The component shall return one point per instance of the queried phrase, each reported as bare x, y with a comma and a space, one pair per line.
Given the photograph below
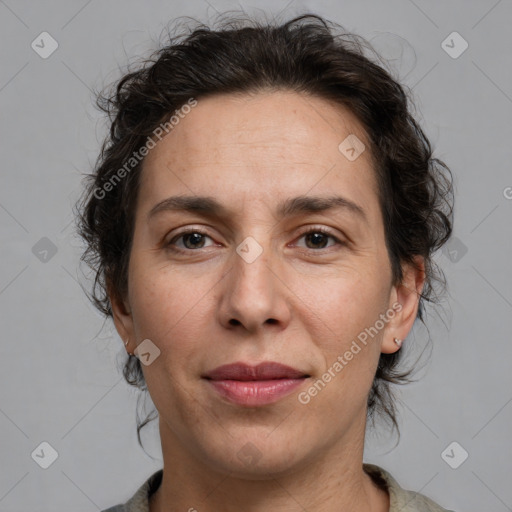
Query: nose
254, 292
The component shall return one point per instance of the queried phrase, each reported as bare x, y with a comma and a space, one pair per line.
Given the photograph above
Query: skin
301, 303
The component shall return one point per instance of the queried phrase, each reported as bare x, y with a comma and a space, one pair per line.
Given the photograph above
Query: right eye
192, 237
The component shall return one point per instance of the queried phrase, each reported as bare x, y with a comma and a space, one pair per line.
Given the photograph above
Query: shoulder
139, 502
401, 499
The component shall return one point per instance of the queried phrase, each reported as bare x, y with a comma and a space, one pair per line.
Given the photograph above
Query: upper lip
263, 371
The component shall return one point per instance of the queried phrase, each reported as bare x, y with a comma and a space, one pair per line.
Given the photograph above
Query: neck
333, 481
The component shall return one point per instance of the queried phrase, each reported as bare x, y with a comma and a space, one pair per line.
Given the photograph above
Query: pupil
315, 238
195, 237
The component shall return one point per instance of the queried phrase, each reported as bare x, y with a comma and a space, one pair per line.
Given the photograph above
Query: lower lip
255, 392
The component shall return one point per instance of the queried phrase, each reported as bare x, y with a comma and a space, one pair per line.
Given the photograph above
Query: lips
251, 386
263, 371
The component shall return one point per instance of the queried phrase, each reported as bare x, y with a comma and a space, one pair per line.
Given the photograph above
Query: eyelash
322, 230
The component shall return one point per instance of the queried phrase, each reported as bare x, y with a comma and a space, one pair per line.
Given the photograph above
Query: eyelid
320, 228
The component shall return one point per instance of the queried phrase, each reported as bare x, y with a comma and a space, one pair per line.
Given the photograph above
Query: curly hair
306, 54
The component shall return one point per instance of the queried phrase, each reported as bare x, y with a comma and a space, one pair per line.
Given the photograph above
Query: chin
256, 457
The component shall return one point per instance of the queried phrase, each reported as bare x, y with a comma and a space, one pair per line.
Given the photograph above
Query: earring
398, 342
126, 344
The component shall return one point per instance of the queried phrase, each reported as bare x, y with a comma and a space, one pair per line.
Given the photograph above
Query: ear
122, 317
405, 296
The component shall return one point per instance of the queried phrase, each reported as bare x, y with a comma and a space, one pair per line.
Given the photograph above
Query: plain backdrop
60, 369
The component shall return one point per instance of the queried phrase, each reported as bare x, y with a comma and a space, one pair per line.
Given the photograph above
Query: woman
261, 222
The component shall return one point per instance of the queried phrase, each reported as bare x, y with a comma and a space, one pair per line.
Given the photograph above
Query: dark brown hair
243, 56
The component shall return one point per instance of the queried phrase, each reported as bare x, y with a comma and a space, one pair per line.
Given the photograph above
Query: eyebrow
210, 207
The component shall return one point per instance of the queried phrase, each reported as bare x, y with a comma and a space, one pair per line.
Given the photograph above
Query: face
251, 281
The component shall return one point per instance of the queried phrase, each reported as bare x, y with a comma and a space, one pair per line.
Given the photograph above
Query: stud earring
126, 344
398, 342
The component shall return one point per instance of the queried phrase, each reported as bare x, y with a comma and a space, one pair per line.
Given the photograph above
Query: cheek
168, 309
341, 332
342, 305
340, 327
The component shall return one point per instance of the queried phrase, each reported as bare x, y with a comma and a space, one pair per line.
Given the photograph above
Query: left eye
318, 237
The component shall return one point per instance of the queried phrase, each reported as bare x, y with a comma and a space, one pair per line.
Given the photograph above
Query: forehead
258, 146
226, 125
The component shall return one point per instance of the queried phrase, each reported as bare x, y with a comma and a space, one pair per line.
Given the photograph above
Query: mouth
247, 385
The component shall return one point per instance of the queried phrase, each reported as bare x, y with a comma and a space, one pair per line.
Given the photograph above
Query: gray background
60, 368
